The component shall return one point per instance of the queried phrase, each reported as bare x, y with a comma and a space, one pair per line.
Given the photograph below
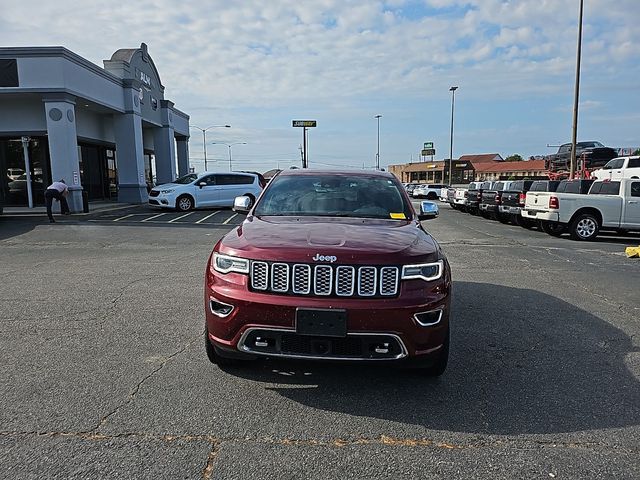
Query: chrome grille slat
324, 279
367, 281
388, 280
345, 281
259, 275
301, 283
280, 277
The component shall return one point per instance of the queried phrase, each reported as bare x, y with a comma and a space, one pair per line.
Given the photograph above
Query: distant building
531, 169
433, 172
485, 166
268, 175
482, 158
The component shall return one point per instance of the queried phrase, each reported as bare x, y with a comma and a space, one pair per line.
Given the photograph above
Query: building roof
271, 173
481, 158
524, 166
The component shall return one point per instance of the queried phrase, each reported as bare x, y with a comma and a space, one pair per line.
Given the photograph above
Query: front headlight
226, 264
423, 271
171, 190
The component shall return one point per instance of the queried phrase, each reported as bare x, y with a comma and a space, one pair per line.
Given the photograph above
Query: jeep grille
324, 280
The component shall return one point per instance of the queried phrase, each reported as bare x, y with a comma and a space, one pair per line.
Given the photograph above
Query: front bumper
164, 201
377, 329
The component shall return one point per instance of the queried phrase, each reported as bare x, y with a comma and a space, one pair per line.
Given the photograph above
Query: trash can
85, 201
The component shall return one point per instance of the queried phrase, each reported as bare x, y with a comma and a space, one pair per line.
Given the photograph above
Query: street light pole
204, 139
574, 129
453, 96
378, 151
229, 145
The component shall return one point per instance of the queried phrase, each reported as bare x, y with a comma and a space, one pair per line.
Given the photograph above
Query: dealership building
109, 132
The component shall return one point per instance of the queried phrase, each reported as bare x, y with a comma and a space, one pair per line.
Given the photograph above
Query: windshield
191, 177
332, 195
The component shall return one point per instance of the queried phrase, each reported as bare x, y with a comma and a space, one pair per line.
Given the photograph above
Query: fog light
428, 319
382, 348
220, 309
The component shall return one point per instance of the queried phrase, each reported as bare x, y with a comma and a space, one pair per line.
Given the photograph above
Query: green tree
637, 152
513, 158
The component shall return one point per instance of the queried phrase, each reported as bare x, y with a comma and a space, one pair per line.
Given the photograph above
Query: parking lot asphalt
104, 373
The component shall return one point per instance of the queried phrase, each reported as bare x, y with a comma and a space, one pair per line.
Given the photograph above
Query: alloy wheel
586, 227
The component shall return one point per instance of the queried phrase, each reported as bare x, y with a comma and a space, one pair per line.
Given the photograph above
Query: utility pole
377, 117
574, 129
453, 96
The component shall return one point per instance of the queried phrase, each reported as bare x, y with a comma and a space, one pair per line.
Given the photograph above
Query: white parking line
208, 216
122, 218
230, 218
155, 216
178, 218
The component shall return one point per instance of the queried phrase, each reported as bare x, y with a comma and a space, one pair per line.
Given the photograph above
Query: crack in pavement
134, 391
114, 302
208, 468
332, 442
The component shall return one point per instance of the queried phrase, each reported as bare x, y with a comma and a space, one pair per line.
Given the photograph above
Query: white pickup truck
456, 197
617, 168
609, 205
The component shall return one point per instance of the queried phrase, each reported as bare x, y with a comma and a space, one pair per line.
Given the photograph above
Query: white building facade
108, 132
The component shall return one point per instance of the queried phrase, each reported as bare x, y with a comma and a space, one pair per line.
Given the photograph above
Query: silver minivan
208, 189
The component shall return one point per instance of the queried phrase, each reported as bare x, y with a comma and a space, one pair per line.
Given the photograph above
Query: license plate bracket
321, 322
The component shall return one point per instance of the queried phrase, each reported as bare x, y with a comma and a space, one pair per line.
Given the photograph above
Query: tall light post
378, 151
453, 97
574, 129
204, 139
229, 145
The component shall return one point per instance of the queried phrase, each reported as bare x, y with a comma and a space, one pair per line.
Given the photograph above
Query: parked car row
430, 191
580, 208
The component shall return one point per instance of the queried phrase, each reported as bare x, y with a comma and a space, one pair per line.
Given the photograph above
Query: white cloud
334, 54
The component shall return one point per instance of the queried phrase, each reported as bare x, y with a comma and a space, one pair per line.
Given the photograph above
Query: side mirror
428, 210
202, 184
242, 205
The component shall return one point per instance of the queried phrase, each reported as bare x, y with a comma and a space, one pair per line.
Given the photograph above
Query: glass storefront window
13, 178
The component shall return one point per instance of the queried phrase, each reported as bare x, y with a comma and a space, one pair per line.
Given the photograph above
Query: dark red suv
329, 265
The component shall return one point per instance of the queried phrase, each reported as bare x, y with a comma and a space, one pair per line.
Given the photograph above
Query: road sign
428, 152
428, 145
304, 123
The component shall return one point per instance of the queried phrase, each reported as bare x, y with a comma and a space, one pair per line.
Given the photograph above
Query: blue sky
258, 65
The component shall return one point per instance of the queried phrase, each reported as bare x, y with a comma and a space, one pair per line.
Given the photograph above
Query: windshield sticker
399, 216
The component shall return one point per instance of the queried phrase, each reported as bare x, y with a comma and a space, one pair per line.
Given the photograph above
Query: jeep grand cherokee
329, 265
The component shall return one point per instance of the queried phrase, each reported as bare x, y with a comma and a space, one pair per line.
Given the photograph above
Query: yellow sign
398, 216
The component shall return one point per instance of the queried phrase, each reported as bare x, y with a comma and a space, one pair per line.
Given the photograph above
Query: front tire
439, 366
584, 227
213, 355
184, 203
432, 196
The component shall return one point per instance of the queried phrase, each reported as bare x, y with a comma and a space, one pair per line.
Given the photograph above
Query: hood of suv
167, 186
349, 240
